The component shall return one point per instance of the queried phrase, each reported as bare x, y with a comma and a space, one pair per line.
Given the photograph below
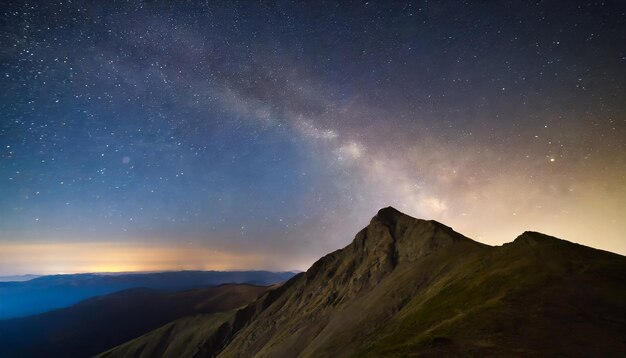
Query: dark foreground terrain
409, 287
100, 323
404, 287
45, 293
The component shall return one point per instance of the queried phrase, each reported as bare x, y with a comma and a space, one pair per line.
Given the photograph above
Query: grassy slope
539, 296
181, 338
329, 310
408, 287
188, 336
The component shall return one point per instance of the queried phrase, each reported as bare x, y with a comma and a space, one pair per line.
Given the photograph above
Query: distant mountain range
407, 287
17, 278
404, 287
100, 323
42, 294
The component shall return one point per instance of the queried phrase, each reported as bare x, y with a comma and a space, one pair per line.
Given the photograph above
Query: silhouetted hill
18, 278
410, 287
184, 337
99, 323
45, 293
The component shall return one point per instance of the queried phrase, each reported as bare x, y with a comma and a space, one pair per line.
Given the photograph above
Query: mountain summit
407, 287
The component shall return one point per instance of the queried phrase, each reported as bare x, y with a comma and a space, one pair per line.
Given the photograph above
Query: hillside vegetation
410, 287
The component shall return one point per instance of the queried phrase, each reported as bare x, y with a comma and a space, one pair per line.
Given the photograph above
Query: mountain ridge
102, 322
42, 294
407, 286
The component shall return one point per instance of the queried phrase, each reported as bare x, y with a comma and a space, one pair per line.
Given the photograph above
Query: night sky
164, 135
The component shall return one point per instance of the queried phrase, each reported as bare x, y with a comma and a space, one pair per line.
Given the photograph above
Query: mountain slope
537, 296
58, 291
103, 322
183, 337
409, 287
342, 297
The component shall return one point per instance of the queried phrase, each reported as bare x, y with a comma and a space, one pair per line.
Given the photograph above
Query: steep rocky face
391, 239
410, 287
331, 296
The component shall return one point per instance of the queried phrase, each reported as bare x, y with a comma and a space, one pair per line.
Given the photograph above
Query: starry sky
165, 135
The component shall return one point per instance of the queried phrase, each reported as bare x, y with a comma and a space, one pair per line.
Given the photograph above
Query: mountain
99, 323
410, 287
184, 337
18, 299
18, 278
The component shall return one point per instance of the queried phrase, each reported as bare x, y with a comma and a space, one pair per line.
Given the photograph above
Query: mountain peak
536, 238
390, 213
398, 222
388, 292
405, 238
390, 216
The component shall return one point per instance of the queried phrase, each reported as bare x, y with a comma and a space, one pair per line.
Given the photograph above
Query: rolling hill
408, 287
99, 323
18, 299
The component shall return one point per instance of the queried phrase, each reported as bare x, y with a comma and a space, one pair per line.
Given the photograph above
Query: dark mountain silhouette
18, 278
18, 299
410, 287
97, 324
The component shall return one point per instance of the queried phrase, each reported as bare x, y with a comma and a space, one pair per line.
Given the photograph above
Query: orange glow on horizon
56, 258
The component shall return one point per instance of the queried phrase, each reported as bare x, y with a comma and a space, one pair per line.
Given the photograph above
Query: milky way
223, 135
